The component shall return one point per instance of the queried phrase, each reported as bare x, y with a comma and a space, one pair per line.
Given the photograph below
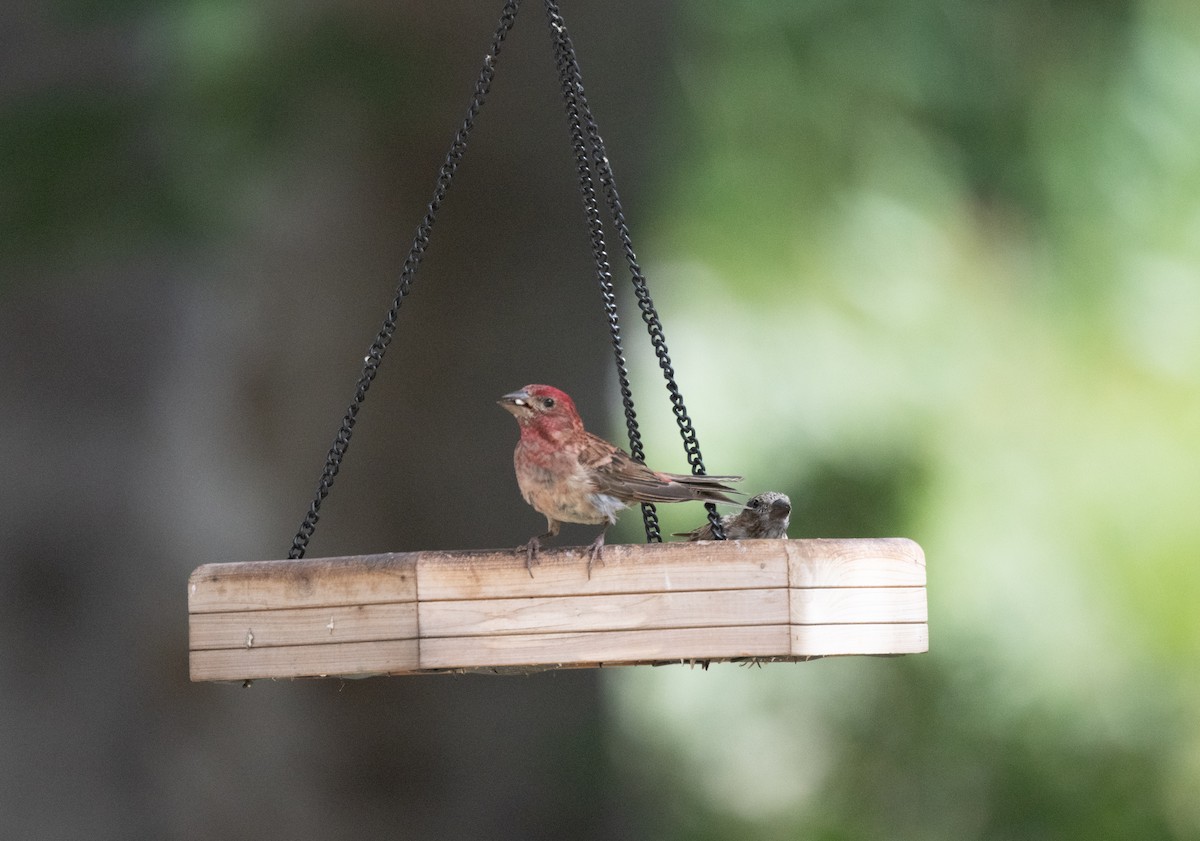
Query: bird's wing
703, 532
615, 472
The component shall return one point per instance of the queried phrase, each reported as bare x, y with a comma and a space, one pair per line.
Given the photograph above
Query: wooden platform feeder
425, 612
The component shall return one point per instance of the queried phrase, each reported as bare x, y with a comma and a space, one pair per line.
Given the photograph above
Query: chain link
374, 356
578, 111
580, 118
568, 71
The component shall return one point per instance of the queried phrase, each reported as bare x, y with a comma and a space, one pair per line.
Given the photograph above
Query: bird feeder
775, 600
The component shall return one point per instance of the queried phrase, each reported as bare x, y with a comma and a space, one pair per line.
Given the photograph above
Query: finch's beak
517, 402
781, 508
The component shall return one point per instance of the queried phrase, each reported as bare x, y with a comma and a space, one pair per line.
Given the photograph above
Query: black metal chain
567, 70
420, 242
579, 116
578, 111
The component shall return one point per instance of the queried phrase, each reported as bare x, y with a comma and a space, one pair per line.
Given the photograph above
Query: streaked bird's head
772, 512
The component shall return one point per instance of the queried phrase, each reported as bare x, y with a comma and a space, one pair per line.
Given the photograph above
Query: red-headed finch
571, 476
765, 516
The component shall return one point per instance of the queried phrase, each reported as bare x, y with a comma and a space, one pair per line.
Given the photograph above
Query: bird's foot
595, 554
531, 551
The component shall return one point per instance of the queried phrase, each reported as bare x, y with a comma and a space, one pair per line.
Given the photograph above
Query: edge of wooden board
481, 611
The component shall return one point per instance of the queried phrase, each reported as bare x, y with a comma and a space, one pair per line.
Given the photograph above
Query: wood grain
321, 582
842, 605
832, 640
402, 613
347, 659
638, 568
695, 609
879, 562
606, 646
303, 626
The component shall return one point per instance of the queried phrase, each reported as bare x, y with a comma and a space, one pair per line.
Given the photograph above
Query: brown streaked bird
572, 476
765, 516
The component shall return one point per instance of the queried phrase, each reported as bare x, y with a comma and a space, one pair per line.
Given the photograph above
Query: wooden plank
608, 647
611, 612
303, 626
840, 605
481, 610
880, 562
263, 585
349, 659
637, 568
832, 640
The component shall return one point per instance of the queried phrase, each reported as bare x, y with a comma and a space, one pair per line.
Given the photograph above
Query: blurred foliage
899, 750
156, 149
934, 267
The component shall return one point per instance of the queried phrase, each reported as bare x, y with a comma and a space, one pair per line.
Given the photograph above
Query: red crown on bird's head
542, 393
542, 406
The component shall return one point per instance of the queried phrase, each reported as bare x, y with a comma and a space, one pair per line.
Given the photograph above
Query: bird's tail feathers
706, 488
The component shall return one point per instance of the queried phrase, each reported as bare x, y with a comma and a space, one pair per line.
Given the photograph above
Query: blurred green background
931, 267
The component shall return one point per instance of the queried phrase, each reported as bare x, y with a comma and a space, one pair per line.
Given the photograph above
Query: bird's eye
548, 402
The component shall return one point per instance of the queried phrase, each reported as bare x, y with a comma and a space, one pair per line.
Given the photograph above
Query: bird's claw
531, 551
595, 554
